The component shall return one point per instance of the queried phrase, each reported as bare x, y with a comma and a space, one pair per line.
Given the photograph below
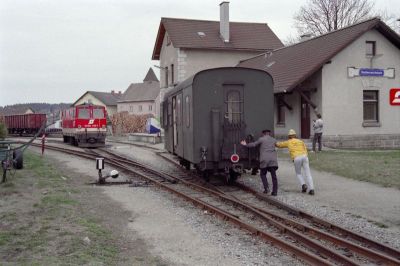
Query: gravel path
181, 234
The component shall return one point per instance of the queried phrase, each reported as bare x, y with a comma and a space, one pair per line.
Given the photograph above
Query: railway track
314, 240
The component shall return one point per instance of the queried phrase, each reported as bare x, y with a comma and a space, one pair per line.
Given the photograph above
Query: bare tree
321, 16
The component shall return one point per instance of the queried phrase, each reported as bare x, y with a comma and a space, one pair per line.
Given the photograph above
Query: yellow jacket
296, 147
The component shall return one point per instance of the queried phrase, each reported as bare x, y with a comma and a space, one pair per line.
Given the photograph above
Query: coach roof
292, 65
204, 34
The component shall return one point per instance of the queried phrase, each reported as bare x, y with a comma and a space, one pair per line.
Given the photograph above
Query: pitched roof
184, 33
150, 76
138, 92
291, 65
107, 98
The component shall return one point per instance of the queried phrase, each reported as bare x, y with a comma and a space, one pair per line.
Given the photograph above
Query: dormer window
201, 34
370, 47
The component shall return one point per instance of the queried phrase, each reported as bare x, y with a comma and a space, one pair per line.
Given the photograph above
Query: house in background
186, 46
29, 111
142, 98
106, 99
349, 76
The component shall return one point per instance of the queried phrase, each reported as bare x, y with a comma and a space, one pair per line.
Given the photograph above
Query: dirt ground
153, 227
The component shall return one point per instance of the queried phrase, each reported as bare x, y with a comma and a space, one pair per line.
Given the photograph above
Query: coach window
187, 113
233, 107
98, 113
280, 110
165, 113
371, 108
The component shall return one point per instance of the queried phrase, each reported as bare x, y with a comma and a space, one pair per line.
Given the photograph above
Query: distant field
378, 167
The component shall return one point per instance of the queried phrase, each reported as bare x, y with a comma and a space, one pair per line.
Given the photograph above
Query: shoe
304, 188
266, 191
311, 192
273, 194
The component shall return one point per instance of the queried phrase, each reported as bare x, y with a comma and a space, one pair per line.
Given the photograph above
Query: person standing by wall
318, 127
268, 159
298, 153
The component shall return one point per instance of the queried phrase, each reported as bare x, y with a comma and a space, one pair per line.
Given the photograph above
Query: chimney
305, 37
112, 92
224, 21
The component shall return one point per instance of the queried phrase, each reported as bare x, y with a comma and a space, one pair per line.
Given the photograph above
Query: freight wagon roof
35, 114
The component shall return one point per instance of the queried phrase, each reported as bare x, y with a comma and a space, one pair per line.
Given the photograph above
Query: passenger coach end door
233, 125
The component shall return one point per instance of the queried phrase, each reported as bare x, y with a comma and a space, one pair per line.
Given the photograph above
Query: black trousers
263, 175
317, 138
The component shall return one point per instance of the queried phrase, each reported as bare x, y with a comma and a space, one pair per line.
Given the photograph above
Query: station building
350, 76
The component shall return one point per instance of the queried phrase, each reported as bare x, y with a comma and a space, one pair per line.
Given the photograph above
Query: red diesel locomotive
84, 125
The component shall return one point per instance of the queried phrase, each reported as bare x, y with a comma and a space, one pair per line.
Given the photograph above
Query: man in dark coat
268, 159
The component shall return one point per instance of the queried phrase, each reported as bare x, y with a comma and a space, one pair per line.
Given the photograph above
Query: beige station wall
342, 97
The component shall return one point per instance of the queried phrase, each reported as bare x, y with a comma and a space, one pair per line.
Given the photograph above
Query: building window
168, 40
187, 113
370, 47
131, 108
140, 108
166, 77
370, 106
150, 108
280, 110
172, 74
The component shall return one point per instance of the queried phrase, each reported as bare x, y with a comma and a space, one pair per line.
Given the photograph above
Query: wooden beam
286, 104
314, 106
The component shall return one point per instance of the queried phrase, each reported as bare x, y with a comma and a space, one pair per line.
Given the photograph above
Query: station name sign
374, 72
370, 72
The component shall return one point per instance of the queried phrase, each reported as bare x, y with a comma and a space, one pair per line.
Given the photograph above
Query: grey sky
53, 51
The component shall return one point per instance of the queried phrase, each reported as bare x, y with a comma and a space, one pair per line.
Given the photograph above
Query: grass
374, 166
45, 224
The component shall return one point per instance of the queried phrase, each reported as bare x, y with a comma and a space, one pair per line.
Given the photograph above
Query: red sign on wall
395, 96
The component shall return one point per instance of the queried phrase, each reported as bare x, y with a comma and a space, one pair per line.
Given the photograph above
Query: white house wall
342, 97
168, 56
188, 62
134, 108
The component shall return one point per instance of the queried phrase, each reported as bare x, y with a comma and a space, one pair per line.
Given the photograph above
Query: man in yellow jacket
299, 155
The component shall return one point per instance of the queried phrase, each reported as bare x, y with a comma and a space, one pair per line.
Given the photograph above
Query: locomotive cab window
234, 105
98, 113
83, 113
